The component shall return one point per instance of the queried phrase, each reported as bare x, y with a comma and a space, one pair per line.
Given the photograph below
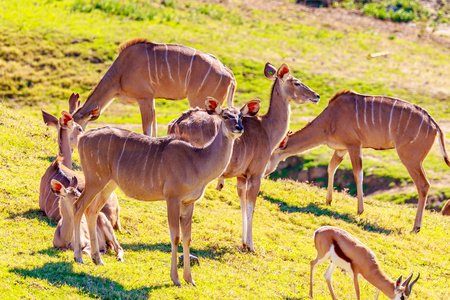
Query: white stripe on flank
156, 67
400, 119
365, 110
381, 103
98, 150
418, 131
428, 127
168, 66
107, 152
407, 123
220, 80
179, 63
54, 208
201, 133
356, 106
144, 173
390, 118
373, 121
148, 66
207, 73
120, 157
188, 73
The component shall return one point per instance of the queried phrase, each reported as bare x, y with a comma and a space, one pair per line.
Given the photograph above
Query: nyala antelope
152, 169
144, 71
348, 253
352, 121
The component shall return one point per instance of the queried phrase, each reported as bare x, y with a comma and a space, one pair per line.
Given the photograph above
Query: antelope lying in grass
144, 71
64, 238
350, 254
151, 169
61, 168
262, 134
352, 121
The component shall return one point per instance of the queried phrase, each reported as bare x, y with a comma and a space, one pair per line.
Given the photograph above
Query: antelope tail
442, 146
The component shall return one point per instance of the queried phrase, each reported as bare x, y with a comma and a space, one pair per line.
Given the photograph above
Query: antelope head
70, 194
232, 117
75, 130
403, 291
292, 88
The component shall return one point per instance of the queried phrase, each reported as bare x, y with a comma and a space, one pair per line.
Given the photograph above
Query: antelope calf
348, 253
352, 121
64, 238
61, 168
144, 71
151, 169
262, 134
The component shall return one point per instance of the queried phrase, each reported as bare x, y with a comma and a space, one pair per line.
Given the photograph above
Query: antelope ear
270, 71
212, 106
49, 119
74, 182
58, 188
73, 103
251, 108
284, 142
283, 72
66, 120
398, 283
94, 114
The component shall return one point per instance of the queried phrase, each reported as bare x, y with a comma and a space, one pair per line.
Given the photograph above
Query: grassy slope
286, 216
47, 52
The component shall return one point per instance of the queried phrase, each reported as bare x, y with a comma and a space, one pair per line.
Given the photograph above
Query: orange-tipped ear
283, 72
49, 119
95, 113
284, 142
270, 71
66, 117
251, 108
58, 188
74, 103
212, 106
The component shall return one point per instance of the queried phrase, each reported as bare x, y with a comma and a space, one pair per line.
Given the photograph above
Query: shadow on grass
213, 253
61, 273
320, 210
33, 214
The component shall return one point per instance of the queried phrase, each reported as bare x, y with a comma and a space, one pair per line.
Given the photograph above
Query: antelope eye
225, 117
297, 83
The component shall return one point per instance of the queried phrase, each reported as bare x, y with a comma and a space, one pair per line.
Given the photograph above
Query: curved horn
409, 288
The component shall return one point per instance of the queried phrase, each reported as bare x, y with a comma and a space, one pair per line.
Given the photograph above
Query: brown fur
446, 209
352, 121
131, 42
253, 149
340, 93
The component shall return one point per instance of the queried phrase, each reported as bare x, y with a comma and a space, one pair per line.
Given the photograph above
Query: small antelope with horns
64, 237
61, 168
262, 134
144, 71
352, 121
348, 253
151, 169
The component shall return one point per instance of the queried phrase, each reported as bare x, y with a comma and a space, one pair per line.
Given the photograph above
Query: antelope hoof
415, 230
98, 261
360, 212
193, 259
79, 260
248, 248
190, 281
120, 257
176, 282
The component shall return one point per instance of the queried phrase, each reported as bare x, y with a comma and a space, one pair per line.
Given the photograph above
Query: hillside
51, 48
286, 217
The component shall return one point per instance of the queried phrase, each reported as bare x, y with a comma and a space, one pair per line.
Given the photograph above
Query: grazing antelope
64, 238
345, 251
151, 169
446, 209
262, 134
144, 71
61, 168
352, 121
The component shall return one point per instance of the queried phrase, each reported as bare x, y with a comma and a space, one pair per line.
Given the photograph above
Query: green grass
287, 214
49, 49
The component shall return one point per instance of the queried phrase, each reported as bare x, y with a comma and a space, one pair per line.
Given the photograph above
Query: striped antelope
262, 134
144, 71
352, 121
151, 169
64, 238
348, 253
61, 168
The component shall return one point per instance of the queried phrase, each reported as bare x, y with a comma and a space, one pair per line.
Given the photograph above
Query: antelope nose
239, 127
